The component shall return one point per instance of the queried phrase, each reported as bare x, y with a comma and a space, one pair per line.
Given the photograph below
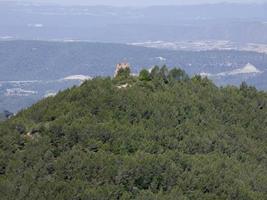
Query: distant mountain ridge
234, 22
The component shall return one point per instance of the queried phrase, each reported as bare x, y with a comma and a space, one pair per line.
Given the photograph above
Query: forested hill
161, 135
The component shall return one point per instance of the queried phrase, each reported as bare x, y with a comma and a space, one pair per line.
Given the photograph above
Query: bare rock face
121, 66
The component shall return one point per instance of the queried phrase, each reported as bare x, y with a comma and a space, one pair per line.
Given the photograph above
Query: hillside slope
157, 136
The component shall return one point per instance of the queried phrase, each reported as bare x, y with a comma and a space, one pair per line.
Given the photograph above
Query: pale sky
136, 2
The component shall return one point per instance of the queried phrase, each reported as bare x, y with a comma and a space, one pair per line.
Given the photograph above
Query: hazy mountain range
235, 22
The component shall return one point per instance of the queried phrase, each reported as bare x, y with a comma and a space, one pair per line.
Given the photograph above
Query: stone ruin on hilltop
121, 66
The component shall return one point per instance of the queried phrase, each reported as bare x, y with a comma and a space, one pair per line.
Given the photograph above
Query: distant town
204, 45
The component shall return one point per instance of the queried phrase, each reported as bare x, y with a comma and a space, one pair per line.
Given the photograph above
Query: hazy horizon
134, 3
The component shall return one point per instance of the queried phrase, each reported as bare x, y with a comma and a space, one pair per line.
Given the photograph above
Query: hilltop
162, 135
31, 70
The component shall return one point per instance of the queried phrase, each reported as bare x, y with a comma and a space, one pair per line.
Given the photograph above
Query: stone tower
121, 66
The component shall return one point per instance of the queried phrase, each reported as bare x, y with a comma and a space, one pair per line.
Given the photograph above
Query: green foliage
2, 117
167, 137
123, 73
178, 75
144, 75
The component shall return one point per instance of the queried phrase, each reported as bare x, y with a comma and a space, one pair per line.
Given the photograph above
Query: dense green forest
161, 135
